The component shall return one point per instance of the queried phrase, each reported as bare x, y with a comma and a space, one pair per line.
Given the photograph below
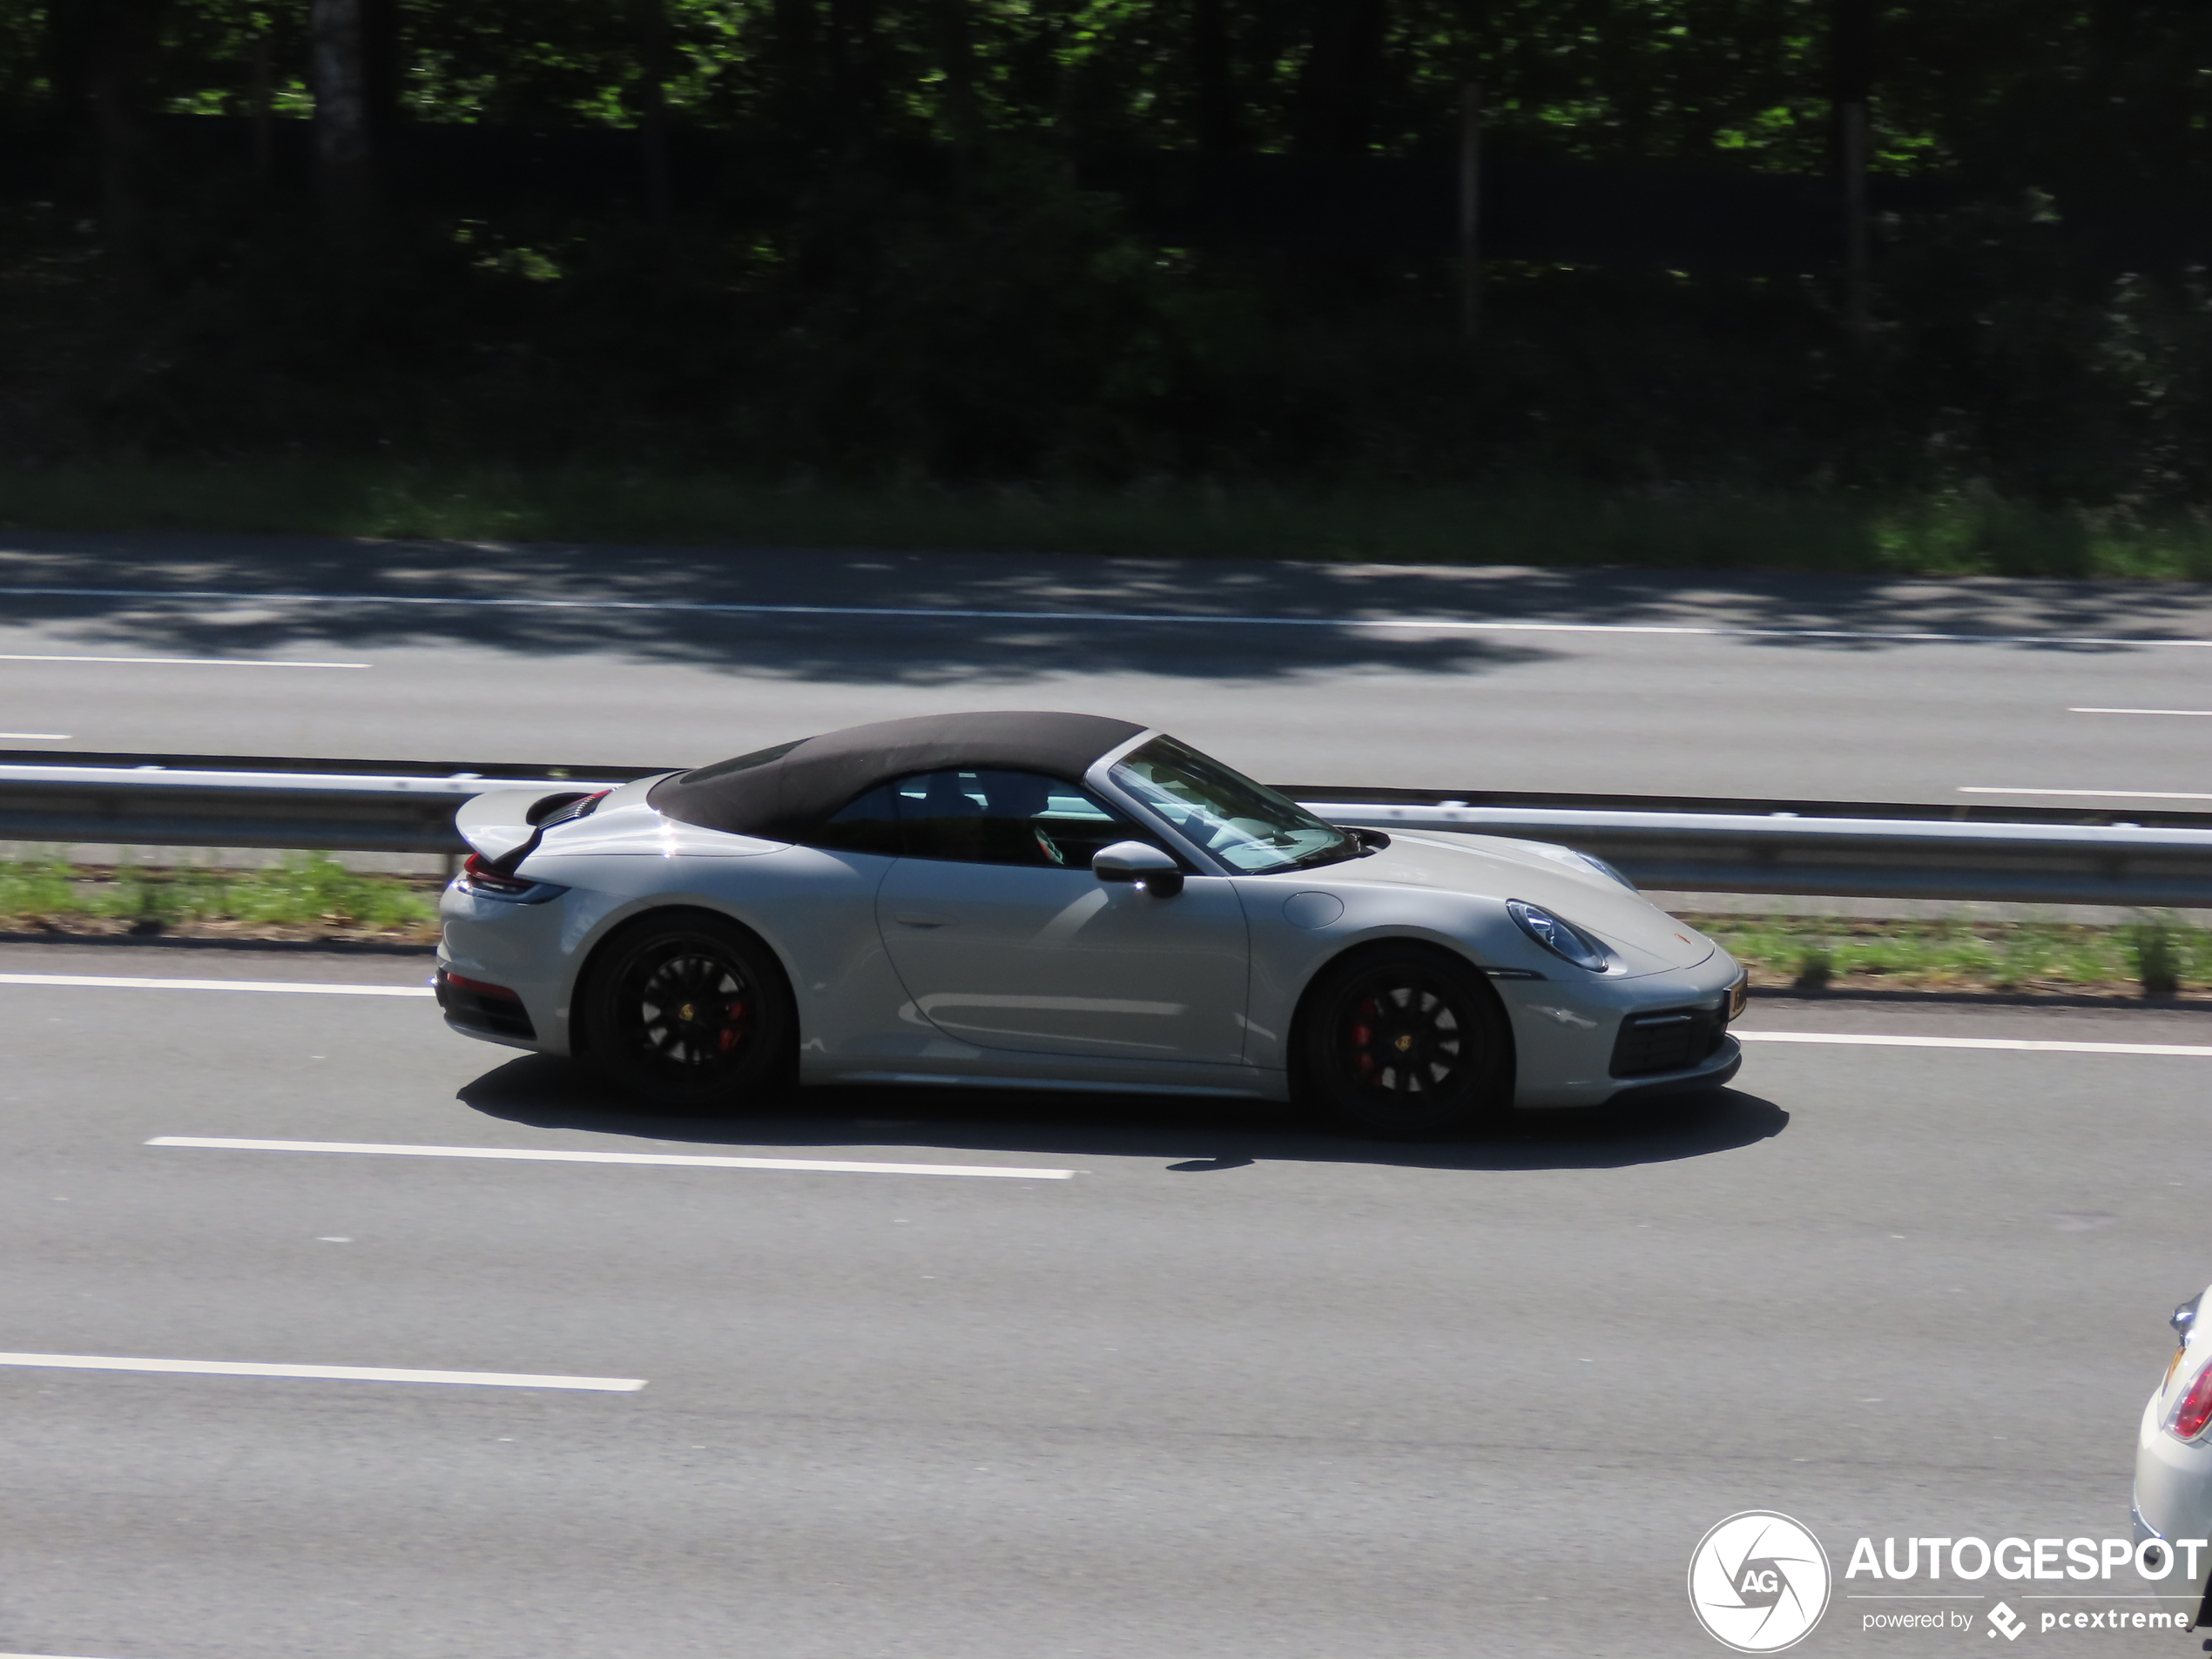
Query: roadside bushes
997, 327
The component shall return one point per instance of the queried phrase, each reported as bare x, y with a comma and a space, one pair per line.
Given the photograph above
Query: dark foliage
885, 237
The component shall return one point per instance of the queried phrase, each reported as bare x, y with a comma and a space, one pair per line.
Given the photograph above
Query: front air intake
1666, 1039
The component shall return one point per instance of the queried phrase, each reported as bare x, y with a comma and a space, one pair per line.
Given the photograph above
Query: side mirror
1150, 868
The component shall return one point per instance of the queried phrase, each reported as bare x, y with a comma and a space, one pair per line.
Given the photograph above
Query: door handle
924, 921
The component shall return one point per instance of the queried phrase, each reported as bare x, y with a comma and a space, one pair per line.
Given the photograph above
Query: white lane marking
32, 737
947, 613
337, 1374
117, 982
2094, 794
534, 1155
175, 661
2200, 714
2019, 1044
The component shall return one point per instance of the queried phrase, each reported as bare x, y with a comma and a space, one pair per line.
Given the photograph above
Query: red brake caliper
1363, 1034
732, 1029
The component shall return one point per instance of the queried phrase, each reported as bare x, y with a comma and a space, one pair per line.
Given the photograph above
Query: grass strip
308, 895
1965, 532
2153, 954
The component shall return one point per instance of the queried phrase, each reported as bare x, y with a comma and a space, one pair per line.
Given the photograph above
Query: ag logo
1759, 1582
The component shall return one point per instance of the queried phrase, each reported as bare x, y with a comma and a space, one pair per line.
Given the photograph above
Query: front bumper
1714, 1072
1569, 1035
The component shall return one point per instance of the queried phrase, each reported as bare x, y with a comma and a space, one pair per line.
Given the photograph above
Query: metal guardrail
1826, 848
155, 805
1886, 858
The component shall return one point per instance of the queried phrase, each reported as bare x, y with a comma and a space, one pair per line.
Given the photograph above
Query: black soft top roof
781, 793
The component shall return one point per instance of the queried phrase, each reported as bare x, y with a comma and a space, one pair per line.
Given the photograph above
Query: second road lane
2033, 694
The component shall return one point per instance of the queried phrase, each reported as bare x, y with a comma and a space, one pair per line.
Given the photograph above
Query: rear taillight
2195, 1409
486, 878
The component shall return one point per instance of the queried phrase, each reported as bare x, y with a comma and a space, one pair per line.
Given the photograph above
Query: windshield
1249, 827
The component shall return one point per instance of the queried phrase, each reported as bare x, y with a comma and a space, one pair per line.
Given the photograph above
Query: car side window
987, 816
868, 824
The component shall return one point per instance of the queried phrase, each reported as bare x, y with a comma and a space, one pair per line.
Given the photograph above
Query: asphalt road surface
1194, 1384
2091, 694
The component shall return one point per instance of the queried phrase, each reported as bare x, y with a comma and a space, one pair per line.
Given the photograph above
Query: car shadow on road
1193, 1135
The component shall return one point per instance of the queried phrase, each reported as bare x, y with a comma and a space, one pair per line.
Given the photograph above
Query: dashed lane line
330, 1374
2089, 794
170, 662
542, 1154
121, 982
2195, 714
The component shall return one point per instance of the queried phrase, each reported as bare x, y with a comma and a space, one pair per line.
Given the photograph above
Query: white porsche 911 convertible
1061, 900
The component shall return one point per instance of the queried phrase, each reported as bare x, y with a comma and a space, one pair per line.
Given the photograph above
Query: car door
1003, 937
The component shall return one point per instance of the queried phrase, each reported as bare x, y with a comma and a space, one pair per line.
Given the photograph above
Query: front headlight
1562, 938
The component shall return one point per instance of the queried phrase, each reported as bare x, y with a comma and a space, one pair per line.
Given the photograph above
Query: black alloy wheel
1404, 1040
689, 1012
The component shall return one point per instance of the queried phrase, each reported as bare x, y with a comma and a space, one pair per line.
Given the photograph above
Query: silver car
1061, 900
2173, 1500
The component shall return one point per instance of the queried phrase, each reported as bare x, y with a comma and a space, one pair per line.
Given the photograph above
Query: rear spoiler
505, 825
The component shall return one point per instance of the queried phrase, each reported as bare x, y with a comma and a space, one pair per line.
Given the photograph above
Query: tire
1367, 1015
686, 1012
